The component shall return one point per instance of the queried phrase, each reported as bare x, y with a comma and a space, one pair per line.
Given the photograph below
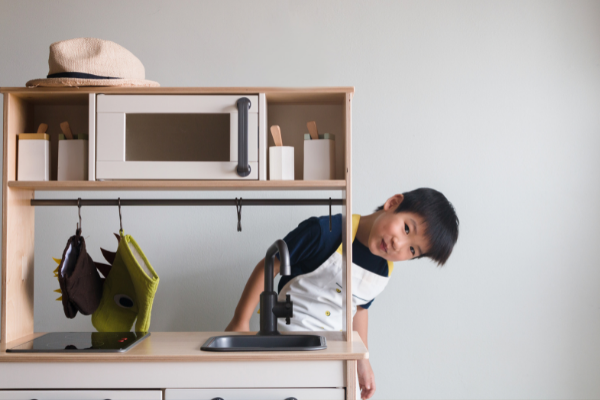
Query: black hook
330, 214
79, 212
120, 220
238, 207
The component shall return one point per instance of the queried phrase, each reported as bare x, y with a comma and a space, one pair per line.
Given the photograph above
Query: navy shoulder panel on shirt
311, 244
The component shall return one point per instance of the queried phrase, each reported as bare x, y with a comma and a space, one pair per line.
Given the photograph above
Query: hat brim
78, 82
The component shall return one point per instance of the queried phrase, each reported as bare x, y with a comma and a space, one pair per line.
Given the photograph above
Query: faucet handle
289, 308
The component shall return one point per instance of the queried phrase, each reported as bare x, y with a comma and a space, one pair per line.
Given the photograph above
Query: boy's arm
366, 377
250, 297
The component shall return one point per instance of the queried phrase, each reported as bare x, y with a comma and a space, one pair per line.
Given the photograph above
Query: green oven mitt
128, 292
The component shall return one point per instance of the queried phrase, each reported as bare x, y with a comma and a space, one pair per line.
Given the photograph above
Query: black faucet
270, 308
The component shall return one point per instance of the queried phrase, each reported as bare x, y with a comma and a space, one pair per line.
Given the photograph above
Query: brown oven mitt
79, 279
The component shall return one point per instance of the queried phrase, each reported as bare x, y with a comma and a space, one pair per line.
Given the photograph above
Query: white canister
281, 163
34, 157
319, 157
73, 158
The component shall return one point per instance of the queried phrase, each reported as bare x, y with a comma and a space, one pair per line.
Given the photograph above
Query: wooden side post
351, 382
347, 222
350, 369
17, 229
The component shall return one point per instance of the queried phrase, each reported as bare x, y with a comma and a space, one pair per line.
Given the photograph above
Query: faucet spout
284, 263
270, 308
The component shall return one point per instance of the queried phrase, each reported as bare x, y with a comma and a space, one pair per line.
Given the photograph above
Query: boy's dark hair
440, 219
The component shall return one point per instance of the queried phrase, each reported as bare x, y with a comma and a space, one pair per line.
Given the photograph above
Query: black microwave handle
243, 105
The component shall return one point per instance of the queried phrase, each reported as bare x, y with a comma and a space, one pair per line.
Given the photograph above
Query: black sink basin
265, 343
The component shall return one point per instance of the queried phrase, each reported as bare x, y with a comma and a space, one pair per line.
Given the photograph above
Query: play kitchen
144, 137
156, 127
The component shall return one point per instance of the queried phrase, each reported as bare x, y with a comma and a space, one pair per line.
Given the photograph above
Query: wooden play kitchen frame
290, 108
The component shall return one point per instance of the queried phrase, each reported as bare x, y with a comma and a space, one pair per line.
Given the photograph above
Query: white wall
494, 103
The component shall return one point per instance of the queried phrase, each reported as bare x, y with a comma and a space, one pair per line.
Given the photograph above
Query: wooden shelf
185, 346
76, 95
178, 185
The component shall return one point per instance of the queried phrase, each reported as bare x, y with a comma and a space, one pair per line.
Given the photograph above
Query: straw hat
92, 62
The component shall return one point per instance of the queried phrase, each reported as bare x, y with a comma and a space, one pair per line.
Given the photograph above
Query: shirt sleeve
366, 306
303, 242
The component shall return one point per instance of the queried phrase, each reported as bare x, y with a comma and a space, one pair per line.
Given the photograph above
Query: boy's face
397, 236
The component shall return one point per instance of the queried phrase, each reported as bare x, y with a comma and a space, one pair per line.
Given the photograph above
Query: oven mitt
129, 290
80, 283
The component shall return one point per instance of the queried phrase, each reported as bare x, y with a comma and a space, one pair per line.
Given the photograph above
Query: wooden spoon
42, 128
276, 132
312, 128
66, 130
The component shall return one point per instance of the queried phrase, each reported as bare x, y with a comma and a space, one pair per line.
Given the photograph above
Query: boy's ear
393, 202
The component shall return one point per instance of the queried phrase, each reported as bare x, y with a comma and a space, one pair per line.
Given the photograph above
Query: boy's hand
366, 379
237, 326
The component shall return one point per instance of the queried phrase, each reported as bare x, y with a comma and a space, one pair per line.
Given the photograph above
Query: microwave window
177, 137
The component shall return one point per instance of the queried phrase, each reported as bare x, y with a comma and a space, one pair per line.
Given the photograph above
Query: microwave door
177, 137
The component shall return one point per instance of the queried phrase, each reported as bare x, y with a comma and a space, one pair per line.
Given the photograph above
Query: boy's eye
406, 229
412, 250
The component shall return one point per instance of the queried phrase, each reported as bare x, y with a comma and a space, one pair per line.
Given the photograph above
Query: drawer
81, 394
256, 394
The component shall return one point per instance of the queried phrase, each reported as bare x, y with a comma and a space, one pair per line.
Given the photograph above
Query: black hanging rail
238, 203
187, 202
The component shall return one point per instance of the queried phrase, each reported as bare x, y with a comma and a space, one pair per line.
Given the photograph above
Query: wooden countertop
185, 347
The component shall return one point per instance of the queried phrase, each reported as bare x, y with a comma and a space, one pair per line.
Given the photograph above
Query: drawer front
256, 394
81, 394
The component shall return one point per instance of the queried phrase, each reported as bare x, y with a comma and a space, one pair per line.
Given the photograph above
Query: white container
73, 158
34, 157
319, 158
281, 163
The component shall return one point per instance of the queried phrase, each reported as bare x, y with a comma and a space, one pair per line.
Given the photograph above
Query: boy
420, 223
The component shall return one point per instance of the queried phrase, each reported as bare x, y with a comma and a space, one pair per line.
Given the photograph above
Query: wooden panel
255, 394
149, 375
179, 185
352, 392
81, 395
320, 95
347, 219
92, 137
292, 119
185, 346
44, 97
17, 230
53, 115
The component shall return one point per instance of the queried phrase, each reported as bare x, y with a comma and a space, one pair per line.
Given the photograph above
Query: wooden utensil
312, 128
42, 128
66, 130
276, 132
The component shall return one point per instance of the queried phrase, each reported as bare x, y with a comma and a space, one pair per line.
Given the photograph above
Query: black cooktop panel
82, 342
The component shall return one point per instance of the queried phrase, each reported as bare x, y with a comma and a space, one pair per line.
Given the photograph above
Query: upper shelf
327, 95
178, 185
290, 108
